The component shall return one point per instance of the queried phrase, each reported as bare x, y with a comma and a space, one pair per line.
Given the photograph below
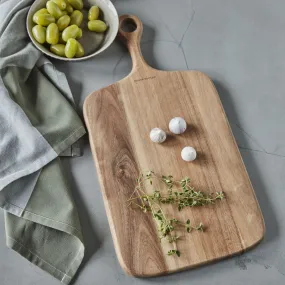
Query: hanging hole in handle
128, 25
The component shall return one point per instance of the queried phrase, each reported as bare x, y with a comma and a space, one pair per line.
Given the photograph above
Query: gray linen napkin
37, 124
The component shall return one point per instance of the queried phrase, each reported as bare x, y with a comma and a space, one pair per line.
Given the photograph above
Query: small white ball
157, 135
177, 125
188, 153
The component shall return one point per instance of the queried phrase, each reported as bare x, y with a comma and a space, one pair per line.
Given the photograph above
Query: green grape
79, 34
63, 12
93, 13
71, 48
76, 4
69, 8
53, 9
80, 50
76, 18
60, 3
52, 35
97, 26
43, 19
39, 34
41, 11
58, 49
63, 22
70, 32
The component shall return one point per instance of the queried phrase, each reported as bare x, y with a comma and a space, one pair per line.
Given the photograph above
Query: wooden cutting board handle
130, 32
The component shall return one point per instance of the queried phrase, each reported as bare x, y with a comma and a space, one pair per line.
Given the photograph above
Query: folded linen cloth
37, 124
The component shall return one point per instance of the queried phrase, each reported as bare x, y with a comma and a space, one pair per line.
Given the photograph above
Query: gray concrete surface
241, 46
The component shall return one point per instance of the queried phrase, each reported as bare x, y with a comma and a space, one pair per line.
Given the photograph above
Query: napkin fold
38, 123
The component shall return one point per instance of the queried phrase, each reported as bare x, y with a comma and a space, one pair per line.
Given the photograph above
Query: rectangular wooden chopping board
119, 119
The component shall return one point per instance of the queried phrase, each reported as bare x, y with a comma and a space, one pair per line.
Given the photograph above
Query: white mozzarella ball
157, 135
177, 125
188, 153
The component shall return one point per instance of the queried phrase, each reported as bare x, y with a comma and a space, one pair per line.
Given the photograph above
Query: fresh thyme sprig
174, 251
180, 193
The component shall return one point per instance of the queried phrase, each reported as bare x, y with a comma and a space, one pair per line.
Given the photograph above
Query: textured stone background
241, 46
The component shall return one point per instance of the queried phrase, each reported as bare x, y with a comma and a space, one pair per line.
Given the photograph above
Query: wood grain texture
119, 119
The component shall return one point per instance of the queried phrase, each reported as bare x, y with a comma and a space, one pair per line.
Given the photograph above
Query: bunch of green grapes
59, 26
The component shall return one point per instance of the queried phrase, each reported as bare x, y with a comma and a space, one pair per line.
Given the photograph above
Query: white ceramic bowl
93, 43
